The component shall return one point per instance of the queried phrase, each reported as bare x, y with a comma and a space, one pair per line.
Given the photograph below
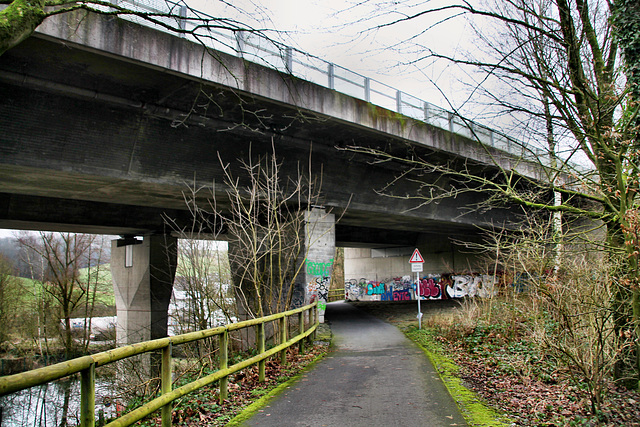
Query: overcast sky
345, 32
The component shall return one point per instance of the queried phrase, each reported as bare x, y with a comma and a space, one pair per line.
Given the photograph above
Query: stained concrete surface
374, 376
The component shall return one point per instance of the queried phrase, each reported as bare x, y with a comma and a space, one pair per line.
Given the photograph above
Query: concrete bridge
105, 121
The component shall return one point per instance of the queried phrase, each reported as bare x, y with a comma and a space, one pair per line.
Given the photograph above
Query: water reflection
54, 404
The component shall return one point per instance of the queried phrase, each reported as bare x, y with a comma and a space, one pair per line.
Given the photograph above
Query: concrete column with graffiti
321, 241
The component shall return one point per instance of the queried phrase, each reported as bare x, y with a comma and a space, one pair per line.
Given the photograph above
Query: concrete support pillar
316, 255
321, 248
143, 273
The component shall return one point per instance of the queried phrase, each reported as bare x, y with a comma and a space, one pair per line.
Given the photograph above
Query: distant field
31, 289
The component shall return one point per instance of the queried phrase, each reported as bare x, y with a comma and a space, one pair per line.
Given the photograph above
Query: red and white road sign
416, 257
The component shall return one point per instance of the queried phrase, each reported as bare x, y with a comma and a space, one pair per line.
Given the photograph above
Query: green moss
376, 112
18, 21
474, 410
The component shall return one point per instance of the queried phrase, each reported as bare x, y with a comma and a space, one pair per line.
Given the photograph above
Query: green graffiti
319, 268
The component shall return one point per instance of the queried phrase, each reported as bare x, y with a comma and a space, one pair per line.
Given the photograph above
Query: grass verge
472, 407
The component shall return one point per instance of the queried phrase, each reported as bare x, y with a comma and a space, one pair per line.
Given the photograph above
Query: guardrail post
301, 331
367, 89
398, 102
426, 112
165, 376
262, 363
283, 339
240, 44
288, 59
182, 20
224, 358
332, 76
88, 396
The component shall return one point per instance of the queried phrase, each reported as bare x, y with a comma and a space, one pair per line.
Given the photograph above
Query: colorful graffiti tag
318, 290
429, 287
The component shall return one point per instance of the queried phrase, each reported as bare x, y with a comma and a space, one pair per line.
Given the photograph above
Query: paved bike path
375, 376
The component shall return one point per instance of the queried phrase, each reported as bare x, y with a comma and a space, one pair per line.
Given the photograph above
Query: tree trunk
18, 21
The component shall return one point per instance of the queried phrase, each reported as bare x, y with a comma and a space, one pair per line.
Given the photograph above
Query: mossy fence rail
86, 365
336, 295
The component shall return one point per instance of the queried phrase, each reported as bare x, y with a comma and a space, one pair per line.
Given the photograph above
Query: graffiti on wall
482, 285
318, 290
319, 280
429, 287
319, 268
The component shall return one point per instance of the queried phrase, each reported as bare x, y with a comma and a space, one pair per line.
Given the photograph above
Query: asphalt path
374, 376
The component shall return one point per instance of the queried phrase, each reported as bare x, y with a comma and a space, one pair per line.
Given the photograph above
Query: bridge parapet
229, 67
257, 48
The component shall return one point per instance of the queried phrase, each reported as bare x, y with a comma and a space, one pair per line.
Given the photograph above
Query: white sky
339, 31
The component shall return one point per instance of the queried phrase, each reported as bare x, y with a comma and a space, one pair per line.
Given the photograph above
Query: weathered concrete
143, 287
113, 162
177, 55
321, 248
441, 255
374, 377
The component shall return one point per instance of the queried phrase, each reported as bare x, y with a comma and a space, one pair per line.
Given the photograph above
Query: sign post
417, 262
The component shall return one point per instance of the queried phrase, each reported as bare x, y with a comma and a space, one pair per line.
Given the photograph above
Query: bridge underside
95, 143
98, 142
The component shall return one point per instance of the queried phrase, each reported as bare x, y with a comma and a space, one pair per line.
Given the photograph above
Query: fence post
283, 339
426, 112
399, 102
224, 356
166, 384
332, 76
450, 122
88, 396
301, 331
314, 311
262, 363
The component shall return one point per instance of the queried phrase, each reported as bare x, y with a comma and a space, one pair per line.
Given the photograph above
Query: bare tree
62, 256
266, 226
10, 299
555, 66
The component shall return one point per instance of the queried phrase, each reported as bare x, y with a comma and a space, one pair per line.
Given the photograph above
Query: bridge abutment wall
384, 274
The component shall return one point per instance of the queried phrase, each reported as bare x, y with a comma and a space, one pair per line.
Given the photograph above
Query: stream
53, 404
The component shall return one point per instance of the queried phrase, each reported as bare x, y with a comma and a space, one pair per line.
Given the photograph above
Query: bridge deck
374, 377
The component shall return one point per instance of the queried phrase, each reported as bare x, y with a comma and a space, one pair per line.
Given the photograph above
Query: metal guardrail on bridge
86, 365
255, 47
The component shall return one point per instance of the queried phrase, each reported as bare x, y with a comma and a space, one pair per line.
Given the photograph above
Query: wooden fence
86, 365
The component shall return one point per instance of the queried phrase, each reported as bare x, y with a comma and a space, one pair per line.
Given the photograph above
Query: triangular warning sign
416, 257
